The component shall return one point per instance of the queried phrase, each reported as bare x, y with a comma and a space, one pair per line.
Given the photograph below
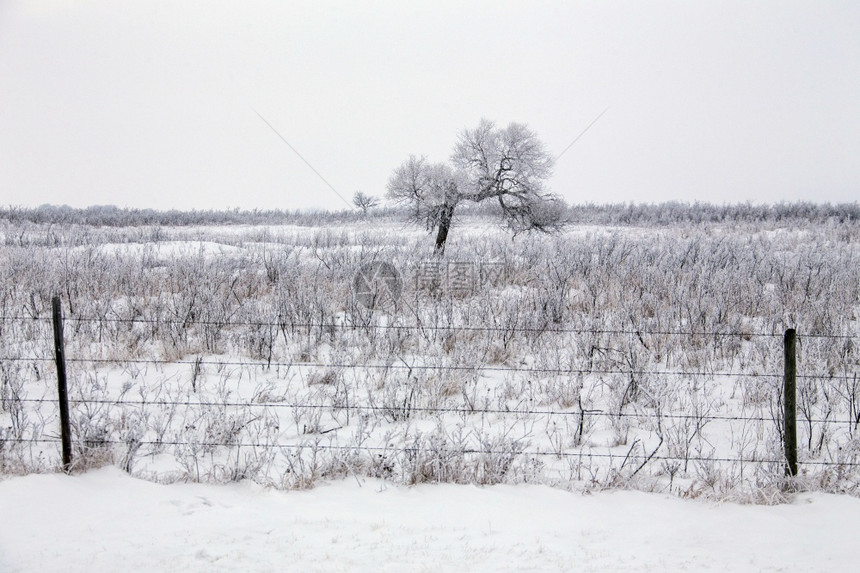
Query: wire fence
849, 419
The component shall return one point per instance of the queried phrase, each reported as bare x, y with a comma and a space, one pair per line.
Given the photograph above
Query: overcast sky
155, 103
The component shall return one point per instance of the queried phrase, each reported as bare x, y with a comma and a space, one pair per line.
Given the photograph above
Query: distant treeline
112, 216
642, 214
671, 213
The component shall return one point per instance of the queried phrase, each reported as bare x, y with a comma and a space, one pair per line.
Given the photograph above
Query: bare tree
430, 190
364, 201
508, 165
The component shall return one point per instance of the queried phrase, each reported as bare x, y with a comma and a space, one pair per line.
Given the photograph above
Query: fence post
790, 402
65, 428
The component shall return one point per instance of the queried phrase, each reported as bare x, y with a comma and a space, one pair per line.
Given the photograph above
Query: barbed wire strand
185, 323
94, 444
432, 410
439, 367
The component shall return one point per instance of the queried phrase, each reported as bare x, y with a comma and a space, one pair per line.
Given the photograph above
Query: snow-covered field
104, 520
646, 357
235, 406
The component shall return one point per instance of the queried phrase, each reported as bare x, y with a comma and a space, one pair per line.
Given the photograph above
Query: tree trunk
445, 216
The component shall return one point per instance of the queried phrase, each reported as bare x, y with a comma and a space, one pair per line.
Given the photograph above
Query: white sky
152, 103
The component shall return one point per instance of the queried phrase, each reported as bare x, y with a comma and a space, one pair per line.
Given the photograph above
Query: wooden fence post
65, 427
790, 402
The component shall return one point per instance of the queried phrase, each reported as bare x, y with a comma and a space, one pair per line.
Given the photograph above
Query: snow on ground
105, 520
166, 250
